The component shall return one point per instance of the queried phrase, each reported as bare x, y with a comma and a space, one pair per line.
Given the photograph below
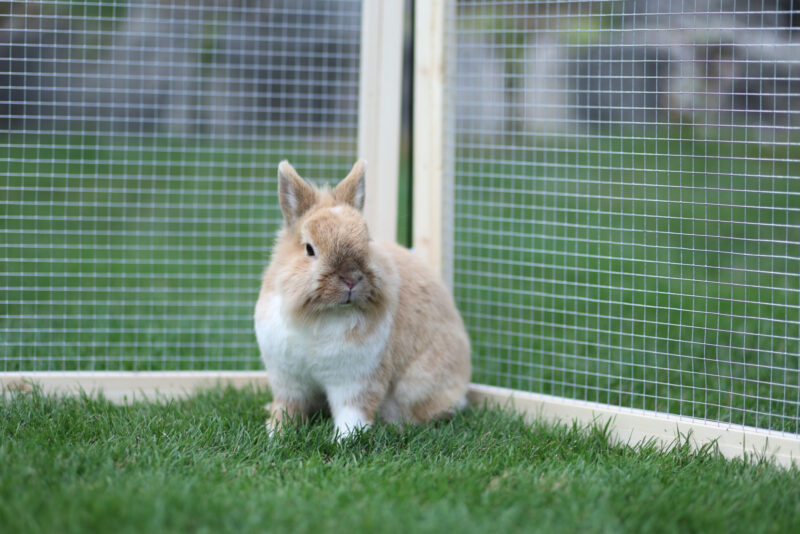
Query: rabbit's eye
309, 250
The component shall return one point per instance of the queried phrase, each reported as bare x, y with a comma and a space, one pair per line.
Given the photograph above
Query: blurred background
711, 63
135, 66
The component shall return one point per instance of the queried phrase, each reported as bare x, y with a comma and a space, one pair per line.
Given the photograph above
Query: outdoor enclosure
611, 188
623, 188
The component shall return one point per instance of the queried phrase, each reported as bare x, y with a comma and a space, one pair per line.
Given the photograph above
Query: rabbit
361, 327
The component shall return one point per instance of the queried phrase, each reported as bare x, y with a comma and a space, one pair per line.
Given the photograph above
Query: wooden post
379, 112
429, 167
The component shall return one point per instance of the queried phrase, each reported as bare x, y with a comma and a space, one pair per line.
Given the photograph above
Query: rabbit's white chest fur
319, 355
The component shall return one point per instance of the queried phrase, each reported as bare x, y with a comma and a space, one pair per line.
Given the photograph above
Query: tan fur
424, 368
428, 348
351, 189
281, 410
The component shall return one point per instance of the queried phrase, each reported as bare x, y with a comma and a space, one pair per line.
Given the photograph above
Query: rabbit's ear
351, 189
295, 195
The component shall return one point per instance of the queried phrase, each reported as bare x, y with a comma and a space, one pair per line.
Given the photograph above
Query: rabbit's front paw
349, 420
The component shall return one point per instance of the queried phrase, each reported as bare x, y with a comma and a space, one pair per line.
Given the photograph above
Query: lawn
206, 465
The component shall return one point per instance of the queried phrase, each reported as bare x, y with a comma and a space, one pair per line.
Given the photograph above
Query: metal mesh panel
138, 200
625, 199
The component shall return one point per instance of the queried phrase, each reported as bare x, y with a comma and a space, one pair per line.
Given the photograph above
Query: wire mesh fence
139, 159
625, 199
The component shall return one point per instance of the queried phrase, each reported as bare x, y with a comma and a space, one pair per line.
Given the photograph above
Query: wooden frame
428, 135
633, 426
379, 112
126, 386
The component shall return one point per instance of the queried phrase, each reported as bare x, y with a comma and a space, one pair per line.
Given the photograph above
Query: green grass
206, 465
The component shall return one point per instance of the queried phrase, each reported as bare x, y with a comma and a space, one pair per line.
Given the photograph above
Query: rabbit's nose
352, 280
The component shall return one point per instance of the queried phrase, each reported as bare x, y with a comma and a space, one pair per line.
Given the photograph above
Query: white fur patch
270, 429
308, 359
348, 420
